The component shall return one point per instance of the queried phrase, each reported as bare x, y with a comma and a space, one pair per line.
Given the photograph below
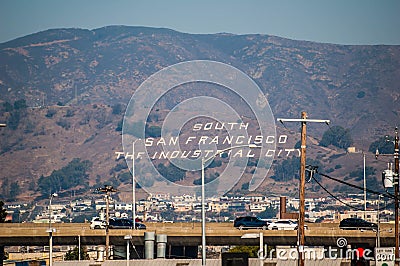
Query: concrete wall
197, 262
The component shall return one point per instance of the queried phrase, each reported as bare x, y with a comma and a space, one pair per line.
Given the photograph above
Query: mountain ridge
90, 71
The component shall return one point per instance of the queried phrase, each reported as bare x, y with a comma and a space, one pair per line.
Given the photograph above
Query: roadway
187, 234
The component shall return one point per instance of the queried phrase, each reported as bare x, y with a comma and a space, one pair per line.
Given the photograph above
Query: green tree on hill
3, 212
385, 145
337, 136
289, 169
72, 175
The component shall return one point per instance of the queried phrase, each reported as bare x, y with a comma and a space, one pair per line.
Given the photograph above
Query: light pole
203, 210
127, 238
262, 250
50, 230
365, 189
133, 186
378, 231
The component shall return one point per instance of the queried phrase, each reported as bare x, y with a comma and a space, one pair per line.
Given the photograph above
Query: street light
50, 230
262, 250
378, 231
133, 186
127, 238
365, 189
3, 125
203, 211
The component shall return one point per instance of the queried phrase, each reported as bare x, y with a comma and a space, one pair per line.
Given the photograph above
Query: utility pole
396, 192
396, 177
133, 186
365, 189
107, 189
300, 232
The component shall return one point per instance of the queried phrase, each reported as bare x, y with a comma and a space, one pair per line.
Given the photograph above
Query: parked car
284, 225
124, 223
357, 224
97, 223
247, 222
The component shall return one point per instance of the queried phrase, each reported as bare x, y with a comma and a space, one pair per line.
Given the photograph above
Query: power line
333, 196
351, 206
388, 195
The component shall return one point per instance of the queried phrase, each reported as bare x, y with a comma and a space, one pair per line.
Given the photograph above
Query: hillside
72, 79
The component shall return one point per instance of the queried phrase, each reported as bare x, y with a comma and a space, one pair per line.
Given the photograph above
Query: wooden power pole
107, 189
300, 231
396, 192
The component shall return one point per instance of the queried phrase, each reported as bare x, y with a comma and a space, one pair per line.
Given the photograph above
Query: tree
73, 254
119, 125
153, 131
117, 109
74, 174
171, 172
5, 188
14, 119
245, 186
14, 190
251, 250
384, 145
134, 129
290, 168
3, 212
7, 107
20, 104
337, 136
270, 212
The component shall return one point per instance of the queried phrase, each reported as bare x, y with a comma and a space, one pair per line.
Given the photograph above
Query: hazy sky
332, 21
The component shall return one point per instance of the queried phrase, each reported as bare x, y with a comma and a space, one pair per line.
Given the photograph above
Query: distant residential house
258, 198
122, 206
9, 218
82, 202
218, 206
160, 196
351, 201
184, 198
258, 207
57, 207
162, 205
197, 207
80, 208
182, 207
327, 215
237, 206
100, 205
369, 215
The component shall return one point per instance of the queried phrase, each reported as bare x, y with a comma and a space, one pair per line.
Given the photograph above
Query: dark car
247, 222
357, 224
124, 223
